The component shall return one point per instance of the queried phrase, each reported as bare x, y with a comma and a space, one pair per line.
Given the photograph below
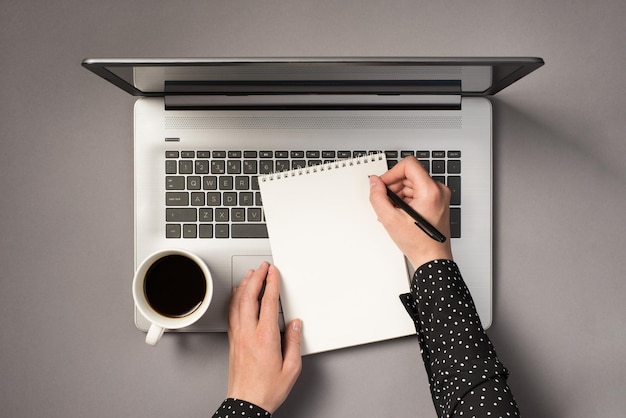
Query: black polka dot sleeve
232, 408
465, 376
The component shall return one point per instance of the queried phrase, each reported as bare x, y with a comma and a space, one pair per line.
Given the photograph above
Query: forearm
457, 354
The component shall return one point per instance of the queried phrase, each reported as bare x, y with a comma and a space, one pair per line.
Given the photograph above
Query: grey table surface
68, 346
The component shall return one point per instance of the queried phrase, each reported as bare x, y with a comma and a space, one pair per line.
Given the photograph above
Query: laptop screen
241, 76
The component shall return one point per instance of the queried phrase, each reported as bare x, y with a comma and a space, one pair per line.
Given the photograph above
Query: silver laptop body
205, 128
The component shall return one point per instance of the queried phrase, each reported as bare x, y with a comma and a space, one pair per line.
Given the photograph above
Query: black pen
422, 223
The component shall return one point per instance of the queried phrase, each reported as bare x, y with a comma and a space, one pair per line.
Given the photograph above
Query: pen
422, 223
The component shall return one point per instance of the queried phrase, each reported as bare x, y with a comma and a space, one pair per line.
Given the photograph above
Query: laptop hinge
314, 102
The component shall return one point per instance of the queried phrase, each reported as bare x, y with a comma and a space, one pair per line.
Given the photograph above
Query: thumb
381, 204
292, 359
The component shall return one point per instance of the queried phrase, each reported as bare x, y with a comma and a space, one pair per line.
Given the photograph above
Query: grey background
68, 346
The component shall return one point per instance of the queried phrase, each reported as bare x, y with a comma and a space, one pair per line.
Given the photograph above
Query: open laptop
206, 128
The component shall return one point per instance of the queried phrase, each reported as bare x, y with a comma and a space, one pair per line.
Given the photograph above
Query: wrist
418, 260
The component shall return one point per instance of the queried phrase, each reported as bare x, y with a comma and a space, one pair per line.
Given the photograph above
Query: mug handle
154, 334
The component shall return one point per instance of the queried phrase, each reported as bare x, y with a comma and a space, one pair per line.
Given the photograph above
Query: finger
233, 308
249, 299
385, 210
268, 315
408, 168
292, 357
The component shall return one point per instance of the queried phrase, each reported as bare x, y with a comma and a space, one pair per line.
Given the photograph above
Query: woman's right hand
431, 199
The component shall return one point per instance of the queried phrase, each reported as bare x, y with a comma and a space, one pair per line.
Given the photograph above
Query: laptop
205, 129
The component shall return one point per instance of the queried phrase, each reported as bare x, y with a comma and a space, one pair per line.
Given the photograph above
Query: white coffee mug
172, 289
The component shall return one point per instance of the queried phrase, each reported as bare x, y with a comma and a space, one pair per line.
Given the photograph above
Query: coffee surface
175, 286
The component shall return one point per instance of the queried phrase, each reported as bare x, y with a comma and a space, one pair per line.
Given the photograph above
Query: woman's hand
260, 372
431, 199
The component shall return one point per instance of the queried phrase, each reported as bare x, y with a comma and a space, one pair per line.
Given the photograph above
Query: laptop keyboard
215, 194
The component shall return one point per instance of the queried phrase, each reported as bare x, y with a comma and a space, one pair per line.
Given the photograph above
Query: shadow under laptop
528, 152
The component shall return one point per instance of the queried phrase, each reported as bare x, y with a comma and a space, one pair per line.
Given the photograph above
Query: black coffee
175, 286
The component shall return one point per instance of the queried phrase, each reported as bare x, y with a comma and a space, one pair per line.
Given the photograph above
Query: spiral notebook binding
334, 165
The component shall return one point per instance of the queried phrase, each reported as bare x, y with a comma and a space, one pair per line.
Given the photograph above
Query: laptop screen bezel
501, 79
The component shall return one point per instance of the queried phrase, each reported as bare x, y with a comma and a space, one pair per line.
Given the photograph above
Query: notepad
341, 273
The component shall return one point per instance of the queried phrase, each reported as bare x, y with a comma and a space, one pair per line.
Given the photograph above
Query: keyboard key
454, 166
213, 199
266, 166
242, 183
249, 231
205, 214
454, 154
230, 198
312, 154
454, 184
226, 182
298, 164
193, 183
439, 167
439, 154
328, 154
181, 215
202, 167
246, 199
171, 154
221, 231
282, 165
249, 154
254, 214
187, 154
406, 154
203, 154
266, 154
197, 199
422, 154
205, 231
185, 167
234, 154
238, 214
172, 231
218, 166
297, 154
281, 154
344, 154
233, 167
190, 231
222, 215
209, 182
171, 167
250, 167
219, 154
176, 199
174, 183
455, 222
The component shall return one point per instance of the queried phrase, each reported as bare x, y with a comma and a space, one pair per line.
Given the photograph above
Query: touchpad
242, 263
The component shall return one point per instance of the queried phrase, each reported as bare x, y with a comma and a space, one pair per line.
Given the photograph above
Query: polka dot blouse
465, 376
232, 408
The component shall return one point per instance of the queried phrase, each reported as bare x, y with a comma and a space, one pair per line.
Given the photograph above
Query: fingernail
372, 180
296, 325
